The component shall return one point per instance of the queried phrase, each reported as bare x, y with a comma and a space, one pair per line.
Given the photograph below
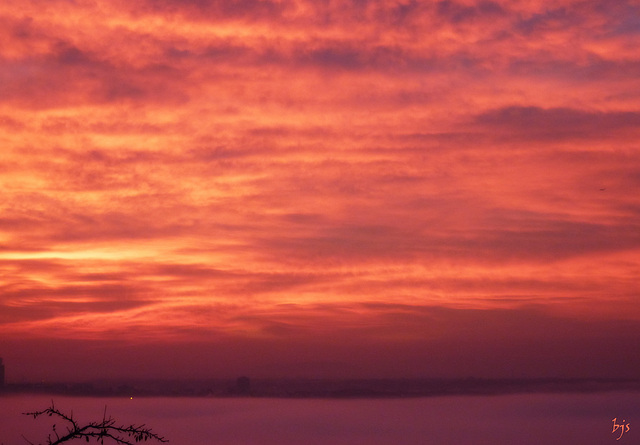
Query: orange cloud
273, 172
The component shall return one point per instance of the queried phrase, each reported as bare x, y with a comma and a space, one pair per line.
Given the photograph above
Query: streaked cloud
272, 171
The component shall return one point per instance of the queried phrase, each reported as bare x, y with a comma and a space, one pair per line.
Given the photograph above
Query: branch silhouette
104, 429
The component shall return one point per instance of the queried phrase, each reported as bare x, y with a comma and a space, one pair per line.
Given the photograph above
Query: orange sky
323, 188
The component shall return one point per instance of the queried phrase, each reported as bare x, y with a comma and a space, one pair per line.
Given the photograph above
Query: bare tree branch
105, 429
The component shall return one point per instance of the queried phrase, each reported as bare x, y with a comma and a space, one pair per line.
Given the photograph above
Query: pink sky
319, 188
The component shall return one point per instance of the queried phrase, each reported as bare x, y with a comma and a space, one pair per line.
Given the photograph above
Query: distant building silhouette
242, 387
1, 373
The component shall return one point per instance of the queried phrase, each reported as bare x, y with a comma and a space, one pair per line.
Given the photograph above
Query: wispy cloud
265, 170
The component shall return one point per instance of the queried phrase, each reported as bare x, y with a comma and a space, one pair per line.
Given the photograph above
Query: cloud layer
270, 171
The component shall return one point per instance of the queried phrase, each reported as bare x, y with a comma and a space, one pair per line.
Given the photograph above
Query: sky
326, 188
